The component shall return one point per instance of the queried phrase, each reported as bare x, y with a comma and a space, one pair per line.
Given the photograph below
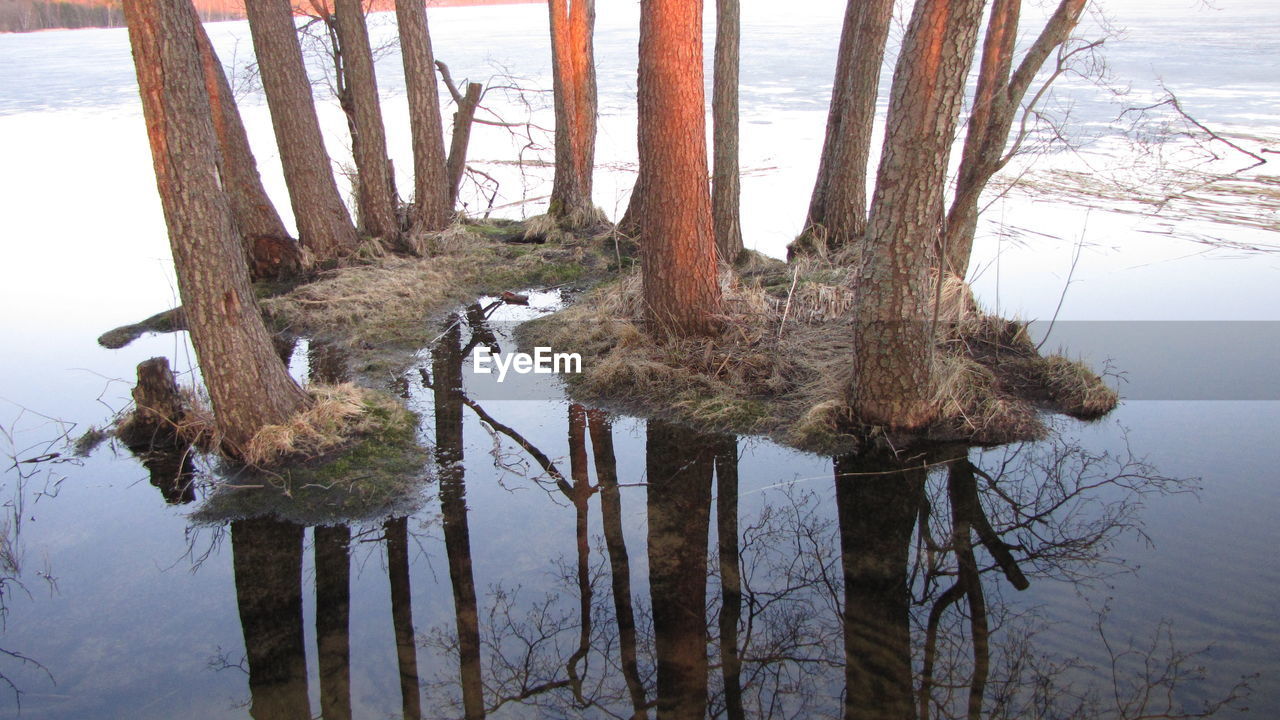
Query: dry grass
375, 300
337, 415
779, 365
382, 311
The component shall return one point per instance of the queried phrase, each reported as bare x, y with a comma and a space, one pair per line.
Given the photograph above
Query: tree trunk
461, 138
893, 339
272, 252
679, 466
841, 206
368, 141
726, 185
574, 86
431, 203
995, 105
629, 223
324, 225
248, 385
678, 261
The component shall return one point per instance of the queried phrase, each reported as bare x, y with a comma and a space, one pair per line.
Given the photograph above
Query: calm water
553, 583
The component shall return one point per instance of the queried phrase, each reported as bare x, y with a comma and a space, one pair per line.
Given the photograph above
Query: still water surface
551, 575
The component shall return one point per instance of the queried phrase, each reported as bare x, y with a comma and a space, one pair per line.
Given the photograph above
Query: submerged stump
158, 411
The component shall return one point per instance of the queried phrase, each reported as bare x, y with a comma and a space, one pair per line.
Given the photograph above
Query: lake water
1148, 537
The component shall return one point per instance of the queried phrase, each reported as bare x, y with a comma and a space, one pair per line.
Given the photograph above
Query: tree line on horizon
33, 15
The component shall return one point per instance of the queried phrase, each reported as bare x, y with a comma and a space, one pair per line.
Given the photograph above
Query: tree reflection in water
886, 604
267, 557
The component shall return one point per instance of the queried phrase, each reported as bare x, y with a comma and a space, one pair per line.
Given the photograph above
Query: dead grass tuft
779, 365
1077, 389
338, 416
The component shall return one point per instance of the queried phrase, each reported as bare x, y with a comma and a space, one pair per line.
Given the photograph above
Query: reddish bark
248, 384
678, 261
574, 86
893, 341
996, 103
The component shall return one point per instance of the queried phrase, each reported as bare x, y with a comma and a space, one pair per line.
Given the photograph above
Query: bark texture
456, 165
432, 206
678, 259
726, 184
995, 106
324, 225
248, 385
838, 207
369, 139
893, 339
574, 86
272, 252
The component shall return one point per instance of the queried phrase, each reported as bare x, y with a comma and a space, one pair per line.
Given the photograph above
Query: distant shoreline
39, 15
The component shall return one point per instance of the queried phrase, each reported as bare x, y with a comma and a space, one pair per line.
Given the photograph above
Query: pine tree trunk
272, 252
838, 208
574, 86
893, 340
995, 106
368, 141
678, 261
324, 224
432, 206
248, 385
629, 223
993, 80
726, 185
